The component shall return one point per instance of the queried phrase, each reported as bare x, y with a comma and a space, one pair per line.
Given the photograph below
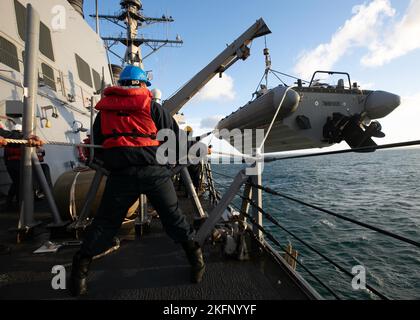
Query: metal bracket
186, 178
217, 212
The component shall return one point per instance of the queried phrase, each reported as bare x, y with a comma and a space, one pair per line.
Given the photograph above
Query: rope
274, 120
256, 90
362, 224
69, 144
56, 143
284, 83
288, 75
275, 222
267, 160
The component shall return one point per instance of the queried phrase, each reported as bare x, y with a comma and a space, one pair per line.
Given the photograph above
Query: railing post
186, 178
257, 199
47, 191
26, 194
142, 219
143, 207
247, 195
91, 139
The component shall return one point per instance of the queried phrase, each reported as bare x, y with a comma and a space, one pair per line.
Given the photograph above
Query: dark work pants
46, 170
13, 169
121, 191
195, 172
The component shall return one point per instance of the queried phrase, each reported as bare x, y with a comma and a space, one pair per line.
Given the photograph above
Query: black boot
79, 273
195, 257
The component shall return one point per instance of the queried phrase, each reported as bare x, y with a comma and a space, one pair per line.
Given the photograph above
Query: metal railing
248, 201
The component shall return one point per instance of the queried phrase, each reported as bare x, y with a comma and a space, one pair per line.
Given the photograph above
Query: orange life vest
126, 119
12, 152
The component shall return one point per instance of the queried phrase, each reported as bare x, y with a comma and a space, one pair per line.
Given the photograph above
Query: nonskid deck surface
150, 268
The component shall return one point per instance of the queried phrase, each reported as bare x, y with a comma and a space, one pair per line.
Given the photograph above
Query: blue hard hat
131, 73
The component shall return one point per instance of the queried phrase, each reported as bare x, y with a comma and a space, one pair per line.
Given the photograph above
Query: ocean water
381, 189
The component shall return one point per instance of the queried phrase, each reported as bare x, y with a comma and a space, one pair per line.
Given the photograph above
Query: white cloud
203, 125
403, 124
218, 89
366, 86
200, 128
210, 122
403, 38
195, 125
359, 31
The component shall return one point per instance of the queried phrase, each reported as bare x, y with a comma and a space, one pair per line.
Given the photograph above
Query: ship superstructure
73, 67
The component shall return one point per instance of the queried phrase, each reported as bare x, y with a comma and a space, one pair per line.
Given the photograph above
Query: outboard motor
352, 130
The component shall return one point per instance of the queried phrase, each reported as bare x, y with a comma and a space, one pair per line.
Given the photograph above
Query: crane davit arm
237, 50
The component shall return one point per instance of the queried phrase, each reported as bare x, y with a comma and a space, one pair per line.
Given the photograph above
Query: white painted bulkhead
59, 69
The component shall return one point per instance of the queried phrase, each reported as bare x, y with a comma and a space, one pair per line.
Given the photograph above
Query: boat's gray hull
301, 119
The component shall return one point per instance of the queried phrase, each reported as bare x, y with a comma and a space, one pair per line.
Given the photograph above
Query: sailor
126, 127
33, 141
12, 157
40, 152
194, 169
84, 153
5, 134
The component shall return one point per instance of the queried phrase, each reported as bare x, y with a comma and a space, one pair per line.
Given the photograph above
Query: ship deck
149, 268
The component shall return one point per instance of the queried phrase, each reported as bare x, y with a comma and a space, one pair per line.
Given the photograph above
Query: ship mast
133, 18
133, 53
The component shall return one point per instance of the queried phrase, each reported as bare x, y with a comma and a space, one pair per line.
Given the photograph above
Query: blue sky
354, 36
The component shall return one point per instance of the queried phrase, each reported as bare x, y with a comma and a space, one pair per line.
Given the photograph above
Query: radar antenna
132, 16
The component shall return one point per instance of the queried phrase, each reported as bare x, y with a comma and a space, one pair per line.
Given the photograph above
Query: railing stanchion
257, 198
26, 194
245, 203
